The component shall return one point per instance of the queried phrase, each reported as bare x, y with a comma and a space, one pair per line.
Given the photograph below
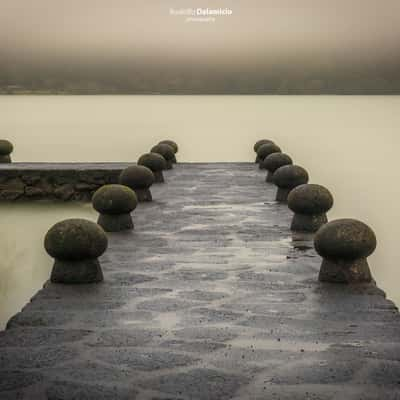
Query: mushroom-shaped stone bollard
6, 148
156, 162
115, 204
344, 245
287, 178
258, 144
310, 203
274, 161
75, 244
174, 147
265, 150
139, 179
166, 151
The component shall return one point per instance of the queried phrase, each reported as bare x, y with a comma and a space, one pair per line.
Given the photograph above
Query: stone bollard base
345, 271
115, 222
261, 165
158, 177
5, 159
269, 178
143, 195
258, 160
282, 195
308, 223
75, 272
174, 160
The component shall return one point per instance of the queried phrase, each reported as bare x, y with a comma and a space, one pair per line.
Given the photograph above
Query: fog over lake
347, 143
262, 46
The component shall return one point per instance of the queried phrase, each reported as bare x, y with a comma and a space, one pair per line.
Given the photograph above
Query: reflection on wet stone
211, 297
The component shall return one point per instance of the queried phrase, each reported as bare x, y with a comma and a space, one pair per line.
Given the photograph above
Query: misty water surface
24, 264
348, 143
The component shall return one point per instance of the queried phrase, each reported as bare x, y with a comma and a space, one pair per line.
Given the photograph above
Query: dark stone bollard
310, 203
287, 178
344, 245
6, 148
174, 147
139, 179
156, 162
274, 161
265, 150
166, 151
258, 144
115, 204
75, 244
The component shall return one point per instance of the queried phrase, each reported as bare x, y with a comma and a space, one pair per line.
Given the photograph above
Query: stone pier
209, 298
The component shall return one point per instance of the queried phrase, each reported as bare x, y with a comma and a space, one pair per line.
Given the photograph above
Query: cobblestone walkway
209, 298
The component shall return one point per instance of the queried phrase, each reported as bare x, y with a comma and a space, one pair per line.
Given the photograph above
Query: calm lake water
350, 144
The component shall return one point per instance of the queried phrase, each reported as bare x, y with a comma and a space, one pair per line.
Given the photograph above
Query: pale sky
258, 31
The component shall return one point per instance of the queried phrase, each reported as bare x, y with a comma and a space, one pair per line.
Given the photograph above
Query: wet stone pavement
209, 298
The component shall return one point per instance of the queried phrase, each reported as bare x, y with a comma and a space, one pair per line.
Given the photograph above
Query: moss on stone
170, 143
154, 161
265, 150
290, 176
137, 177
310, 199
114, 199
260, 143
75, 239
347, 239
165, 150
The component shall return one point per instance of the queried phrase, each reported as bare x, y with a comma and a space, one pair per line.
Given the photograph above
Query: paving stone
10, 380
145, 360
200, 295
165, 305
14, 359
193, 347
202, 384
217, 334
122, 338
92, 371
210, 297
63, 390
28, 337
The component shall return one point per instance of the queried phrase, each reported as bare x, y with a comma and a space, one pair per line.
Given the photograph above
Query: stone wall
54, 184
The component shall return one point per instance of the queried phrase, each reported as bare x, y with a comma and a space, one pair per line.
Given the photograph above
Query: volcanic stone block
115, 204
287, 178
274, 161
156, 162
166, 151
6, 148
344, 245
64, 192
310, 203
139, 179
75, 244
264, 151
12, 189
